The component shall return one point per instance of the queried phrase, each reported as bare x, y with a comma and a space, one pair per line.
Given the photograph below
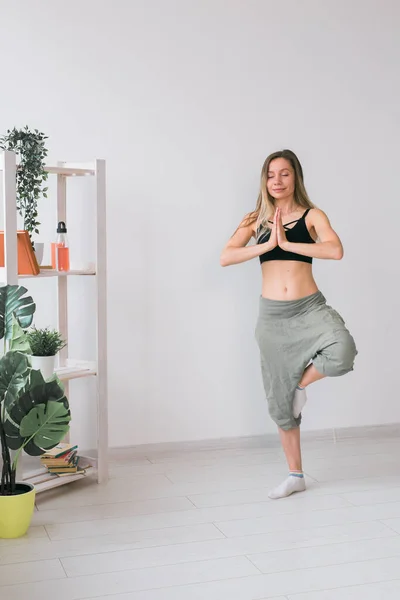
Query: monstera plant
34, 413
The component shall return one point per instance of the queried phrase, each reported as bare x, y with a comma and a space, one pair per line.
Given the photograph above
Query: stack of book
61, 460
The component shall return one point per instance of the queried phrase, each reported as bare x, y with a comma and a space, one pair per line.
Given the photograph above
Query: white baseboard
264, 441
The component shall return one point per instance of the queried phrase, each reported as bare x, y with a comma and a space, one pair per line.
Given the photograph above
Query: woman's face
280, 179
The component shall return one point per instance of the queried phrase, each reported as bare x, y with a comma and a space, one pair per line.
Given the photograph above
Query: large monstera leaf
39, 420
14, 375
19, 339
14, 303
45, 425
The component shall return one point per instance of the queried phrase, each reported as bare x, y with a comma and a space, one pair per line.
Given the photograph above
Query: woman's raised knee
338, 358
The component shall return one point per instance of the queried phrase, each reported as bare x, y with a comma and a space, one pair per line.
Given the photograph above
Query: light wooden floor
197, 524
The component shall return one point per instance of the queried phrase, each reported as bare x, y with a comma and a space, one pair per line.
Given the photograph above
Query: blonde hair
265, 206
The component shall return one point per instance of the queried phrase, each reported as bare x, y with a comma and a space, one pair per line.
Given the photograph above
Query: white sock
299, 400
294, 483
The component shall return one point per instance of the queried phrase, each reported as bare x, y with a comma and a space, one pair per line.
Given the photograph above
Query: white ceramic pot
45, 364
39, 249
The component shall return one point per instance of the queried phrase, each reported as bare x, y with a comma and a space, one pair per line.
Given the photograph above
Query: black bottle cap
61, 227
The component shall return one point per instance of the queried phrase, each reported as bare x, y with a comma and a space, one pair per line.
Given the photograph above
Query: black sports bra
299, 234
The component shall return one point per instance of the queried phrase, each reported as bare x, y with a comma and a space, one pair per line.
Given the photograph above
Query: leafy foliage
15, 306
31, 151
40, 418
14, 373
45, 342
19, 340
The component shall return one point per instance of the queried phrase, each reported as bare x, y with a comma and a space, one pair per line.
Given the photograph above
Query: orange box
27, 262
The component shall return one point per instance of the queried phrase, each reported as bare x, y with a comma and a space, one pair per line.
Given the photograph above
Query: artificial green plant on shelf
34, 413
44, 345
31, 151
45, 342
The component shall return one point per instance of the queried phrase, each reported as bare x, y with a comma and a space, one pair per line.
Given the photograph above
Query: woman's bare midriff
287, 280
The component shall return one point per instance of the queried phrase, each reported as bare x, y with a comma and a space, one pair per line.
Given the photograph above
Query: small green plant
31, 151
45, 342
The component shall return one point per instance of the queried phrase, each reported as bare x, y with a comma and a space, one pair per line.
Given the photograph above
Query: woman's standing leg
290, 440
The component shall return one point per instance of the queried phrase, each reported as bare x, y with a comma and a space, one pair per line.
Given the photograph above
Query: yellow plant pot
16, 511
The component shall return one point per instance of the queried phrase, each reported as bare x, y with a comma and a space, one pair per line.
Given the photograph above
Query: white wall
185, 99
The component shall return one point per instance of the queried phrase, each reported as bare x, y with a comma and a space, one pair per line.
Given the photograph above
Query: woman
301, 338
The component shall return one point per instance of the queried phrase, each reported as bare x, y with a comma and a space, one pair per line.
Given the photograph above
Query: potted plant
44, 345
31, 151
34, 413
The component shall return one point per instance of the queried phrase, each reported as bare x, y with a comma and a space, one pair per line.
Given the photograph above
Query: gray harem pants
291, 334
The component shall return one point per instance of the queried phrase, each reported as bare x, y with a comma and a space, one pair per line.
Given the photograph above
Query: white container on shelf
46, 364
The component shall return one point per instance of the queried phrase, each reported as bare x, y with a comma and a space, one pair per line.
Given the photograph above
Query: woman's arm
236, 250
329, 245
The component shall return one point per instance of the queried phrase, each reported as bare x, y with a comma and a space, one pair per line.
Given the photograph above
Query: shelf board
69, 171
53, 273
43, 480
76, 370
48, 481
54, 481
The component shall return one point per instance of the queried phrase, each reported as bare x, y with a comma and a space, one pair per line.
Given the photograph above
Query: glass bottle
62, 248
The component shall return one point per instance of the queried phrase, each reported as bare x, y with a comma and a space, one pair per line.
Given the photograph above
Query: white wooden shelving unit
68, 369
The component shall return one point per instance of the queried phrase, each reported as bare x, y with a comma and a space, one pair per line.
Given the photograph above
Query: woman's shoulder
250, 221
315, 213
